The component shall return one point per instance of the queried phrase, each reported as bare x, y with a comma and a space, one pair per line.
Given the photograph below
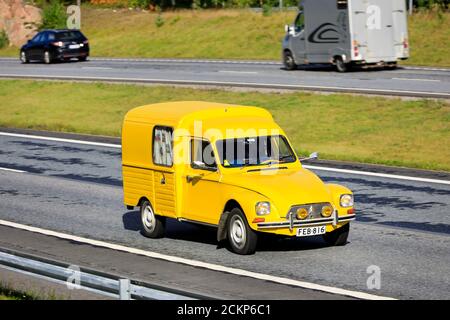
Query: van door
379, 29
298, 43
202, 197
164, 177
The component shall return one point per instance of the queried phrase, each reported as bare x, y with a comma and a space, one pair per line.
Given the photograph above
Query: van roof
176, 112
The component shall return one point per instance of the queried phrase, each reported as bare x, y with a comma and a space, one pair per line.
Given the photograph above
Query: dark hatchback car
55, 45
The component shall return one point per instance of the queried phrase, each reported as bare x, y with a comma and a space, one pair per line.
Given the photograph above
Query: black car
55, 45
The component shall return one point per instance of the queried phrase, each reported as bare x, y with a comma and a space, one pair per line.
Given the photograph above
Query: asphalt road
408, 81
403, 227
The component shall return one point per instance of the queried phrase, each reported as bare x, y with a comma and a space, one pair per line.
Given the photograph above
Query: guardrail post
124, 289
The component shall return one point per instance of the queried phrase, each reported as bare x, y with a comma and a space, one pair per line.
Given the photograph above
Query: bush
159, 21
3, 39
54, 16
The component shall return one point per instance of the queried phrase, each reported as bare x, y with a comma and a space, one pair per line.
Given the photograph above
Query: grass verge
339, 126
228, 34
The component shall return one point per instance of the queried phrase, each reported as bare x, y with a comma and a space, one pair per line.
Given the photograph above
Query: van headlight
262, 208
346, 200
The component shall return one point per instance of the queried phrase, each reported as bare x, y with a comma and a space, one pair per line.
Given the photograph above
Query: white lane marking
200, 264
375, 174
26, 136
416, 79
12, 170
232, 83
118, 146
232, 71
97, 68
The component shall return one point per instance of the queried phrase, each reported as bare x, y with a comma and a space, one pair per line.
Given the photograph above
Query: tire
341, 66
337, 237
23, 57
241, 238
153, 226
47, 57
82, 59
288, 61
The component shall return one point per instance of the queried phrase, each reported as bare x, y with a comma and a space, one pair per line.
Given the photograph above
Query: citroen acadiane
227, 166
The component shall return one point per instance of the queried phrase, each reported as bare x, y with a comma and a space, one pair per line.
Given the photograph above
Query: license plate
311, 231
74, 46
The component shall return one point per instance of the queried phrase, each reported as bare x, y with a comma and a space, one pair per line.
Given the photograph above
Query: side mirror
313, 156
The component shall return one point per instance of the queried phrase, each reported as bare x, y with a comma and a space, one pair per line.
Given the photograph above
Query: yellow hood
285, 188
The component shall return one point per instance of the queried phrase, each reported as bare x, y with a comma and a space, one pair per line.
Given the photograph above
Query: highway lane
418, 82
402, 226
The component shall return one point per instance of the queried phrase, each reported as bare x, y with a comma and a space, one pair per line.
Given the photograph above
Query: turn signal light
258, 220
351, 211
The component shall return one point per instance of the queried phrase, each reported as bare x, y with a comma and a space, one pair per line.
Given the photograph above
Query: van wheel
153, 226
341, 66
288, 61
337, 237
241, 237
82, 59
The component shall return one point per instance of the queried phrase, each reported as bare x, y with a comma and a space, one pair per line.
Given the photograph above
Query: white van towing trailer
347, 33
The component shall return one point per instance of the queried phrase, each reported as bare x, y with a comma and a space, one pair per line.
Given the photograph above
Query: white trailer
347, 33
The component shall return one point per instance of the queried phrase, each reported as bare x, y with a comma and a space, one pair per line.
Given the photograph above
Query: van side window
342, 4
162, 146
202, 153
299, 23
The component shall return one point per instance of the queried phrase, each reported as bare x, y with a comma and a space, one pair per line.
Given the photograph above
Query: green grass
8, 293
342, 127
228, 34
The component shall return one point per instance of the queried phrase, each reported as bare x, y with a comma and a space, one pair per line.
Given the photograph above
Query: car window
202, 153
50, 36
69, 36
162, 146
38, 37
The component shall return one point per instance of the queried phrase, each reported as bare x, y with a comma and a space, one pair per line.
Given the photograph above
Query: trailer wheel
241, 237
341, 66
288, 61
153, 226
391, 66
337, 237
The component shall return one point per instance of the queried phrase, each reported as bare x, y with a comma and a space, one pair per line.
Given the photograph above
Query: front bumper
334, 220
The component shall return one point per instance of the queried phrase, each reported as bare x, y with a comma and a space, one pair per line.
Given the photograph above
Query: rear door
373, 29
33, 48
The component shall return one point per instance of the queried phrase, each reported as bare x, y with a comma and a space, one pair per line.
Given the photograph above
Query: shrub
54, 16
159, 21
3, 39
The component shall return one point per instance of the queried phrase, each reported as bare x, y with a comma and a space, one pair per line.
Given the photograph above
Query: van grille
314, 210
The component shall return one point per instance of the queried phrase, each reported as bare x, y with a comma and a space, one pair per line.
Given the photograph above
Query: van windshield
254, 151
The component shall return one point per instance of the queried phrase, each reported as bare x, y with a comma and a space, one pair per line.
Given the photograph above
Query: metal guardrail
83, 278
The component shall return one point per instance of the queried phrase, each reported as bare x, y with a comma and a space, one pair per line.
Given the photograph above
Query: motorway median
391, 131
227, 34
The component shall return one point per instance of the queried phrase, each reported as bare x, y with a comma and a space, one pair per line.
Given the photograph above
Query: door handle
191, 178
163, 180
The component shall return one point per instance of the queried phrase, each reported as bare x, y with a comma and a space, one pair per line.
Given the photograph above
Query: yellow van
227, 166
